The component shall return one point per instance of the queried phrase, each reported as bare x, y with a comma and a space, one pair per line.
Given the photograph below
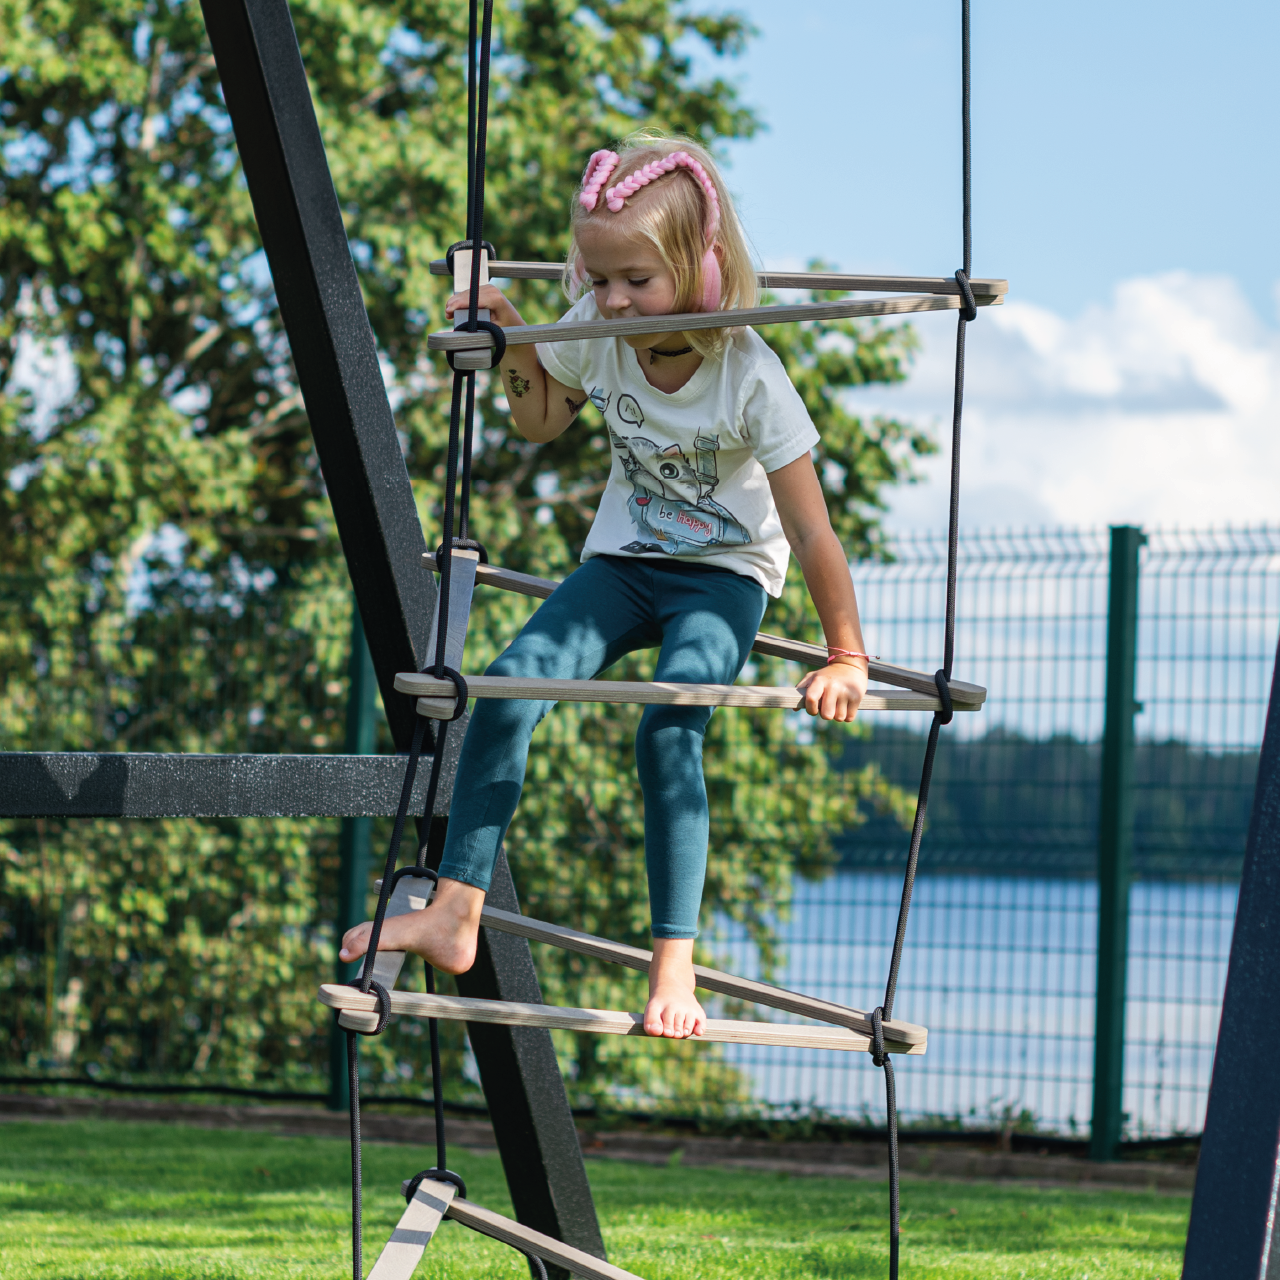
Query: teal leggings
704, 620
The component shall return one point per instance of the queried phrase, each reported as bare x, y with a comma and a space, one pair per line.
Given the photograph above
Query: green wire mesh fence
1002, 948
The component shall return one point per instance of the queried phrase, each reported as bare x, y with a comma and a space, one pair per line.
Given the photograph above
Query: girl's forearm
826, 573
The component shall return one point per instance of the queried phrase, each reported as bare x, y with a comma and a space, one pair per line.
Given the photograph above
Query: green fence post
1115, 841
354, 843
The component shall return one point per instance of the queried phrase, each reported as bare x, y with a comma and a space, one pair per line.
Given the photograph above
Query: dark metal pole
336, 357
1232, 1235
354, 846
1115, 842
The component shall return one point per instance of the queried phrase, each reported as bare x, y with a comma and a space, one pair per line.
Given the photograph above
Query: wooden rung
509, 270
810, 655
462, 584
790, 313
411, 894
605, 1021
418, 1223
526, 1239
439, 696
727, 984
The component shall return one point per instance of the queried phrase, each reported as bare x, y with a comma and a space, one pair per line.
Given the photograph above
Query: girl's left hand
835, 691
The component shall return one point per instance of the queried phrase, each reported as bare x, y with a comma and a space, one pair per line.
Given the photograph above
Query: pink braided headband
602, 164
600, 168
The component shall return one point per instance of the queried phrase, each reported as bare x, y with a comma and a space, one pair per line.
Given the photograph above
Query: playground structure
336, 360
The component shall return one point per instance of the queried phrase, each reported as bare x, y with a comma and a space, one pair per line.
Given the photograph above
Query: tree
175, 579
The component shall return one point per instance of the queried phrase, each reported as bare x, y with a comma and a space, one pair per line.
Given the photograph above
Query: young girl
711, 486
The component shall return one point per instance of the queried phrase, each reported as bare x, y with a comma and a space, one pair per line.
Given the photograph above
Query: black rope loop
441, 672
409, 1187
970, 308
462, 544
418, 873
384, 1007
944, 692
499, 343
467, 244
535, 1266
879, 1055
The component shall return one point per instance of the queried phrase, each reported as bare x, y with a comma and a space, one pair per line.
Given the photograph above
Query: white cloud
1161, 407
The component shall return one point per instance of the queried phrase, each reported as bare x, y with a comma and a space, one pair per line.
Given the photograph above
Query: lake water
1002, 970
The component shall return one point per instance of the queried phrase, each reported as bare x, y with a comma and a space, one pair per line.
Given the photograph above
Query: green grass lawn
146, 1202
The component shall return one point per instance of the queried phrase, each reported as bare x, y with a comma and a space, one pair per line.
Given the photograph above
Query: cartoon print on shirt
668, 522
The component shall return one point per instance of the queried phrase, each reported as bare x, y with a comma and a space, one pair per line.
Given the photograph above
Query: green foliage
98, 1200
173, 577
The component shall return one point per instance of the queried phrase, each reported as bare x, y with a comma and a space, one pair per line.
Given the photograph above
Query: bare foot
673, 1010
444, 933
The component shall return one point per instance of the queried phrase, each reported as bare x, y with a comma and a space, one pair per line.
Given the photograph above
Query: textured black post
335, 355
1115, 842
354, 846
1232, 1234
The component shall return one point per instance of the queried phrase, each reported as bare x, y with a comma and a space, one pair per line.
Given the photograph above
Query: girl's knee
669, 742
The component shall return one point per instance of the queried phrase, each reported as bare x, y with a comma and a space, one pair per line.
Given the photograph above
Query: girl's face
629, 278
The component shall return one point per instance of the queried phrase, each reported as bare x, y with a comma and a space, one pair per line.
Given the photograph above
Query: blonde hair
671, 213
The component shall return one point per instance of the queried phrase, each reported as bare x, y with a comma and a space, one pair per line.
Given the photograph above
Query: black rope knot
462, 544
944, 692
879, 1055
441, 672
409, 1187
384, 1006
499, 343
970, 308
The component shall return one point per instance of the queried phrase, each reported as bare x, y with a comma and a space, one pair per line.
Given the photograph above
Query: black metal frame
1233, 1215
76, 784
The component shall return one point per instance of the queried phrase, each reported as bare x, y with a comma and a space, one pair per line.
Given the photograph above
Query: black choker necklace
654, 353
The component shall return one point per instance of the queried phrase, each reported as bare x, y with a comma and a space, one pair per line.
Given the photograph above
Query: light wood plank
605, 1021
462, 584
727, 984
716, 980
526, 1239
790, 313
810, 655
646, 693
407, 896
505, 269
418, 1223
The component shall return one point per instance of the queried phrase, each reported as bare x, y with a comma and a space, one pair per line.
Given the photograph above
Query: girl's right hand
493, 300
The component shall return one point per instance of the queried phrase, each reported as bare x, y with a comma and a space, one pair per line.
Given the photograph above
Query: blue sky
1110, 140
1126, 184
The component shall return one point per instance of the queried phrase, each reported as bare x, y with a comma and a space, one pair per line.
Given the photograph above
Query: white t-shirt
689, 470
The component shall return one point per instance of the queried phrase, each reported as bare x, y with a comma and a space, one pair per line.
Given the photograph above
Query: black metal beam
1232, 1232
74, 784
266, 92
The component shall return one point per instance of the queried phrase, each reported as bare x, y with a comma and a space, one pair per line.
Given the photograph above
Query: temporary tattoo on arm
575, 406
519, 385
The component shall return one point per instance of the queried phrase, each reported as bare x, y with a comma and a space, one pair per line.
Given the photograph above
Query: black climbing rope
968, 311
461, 430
